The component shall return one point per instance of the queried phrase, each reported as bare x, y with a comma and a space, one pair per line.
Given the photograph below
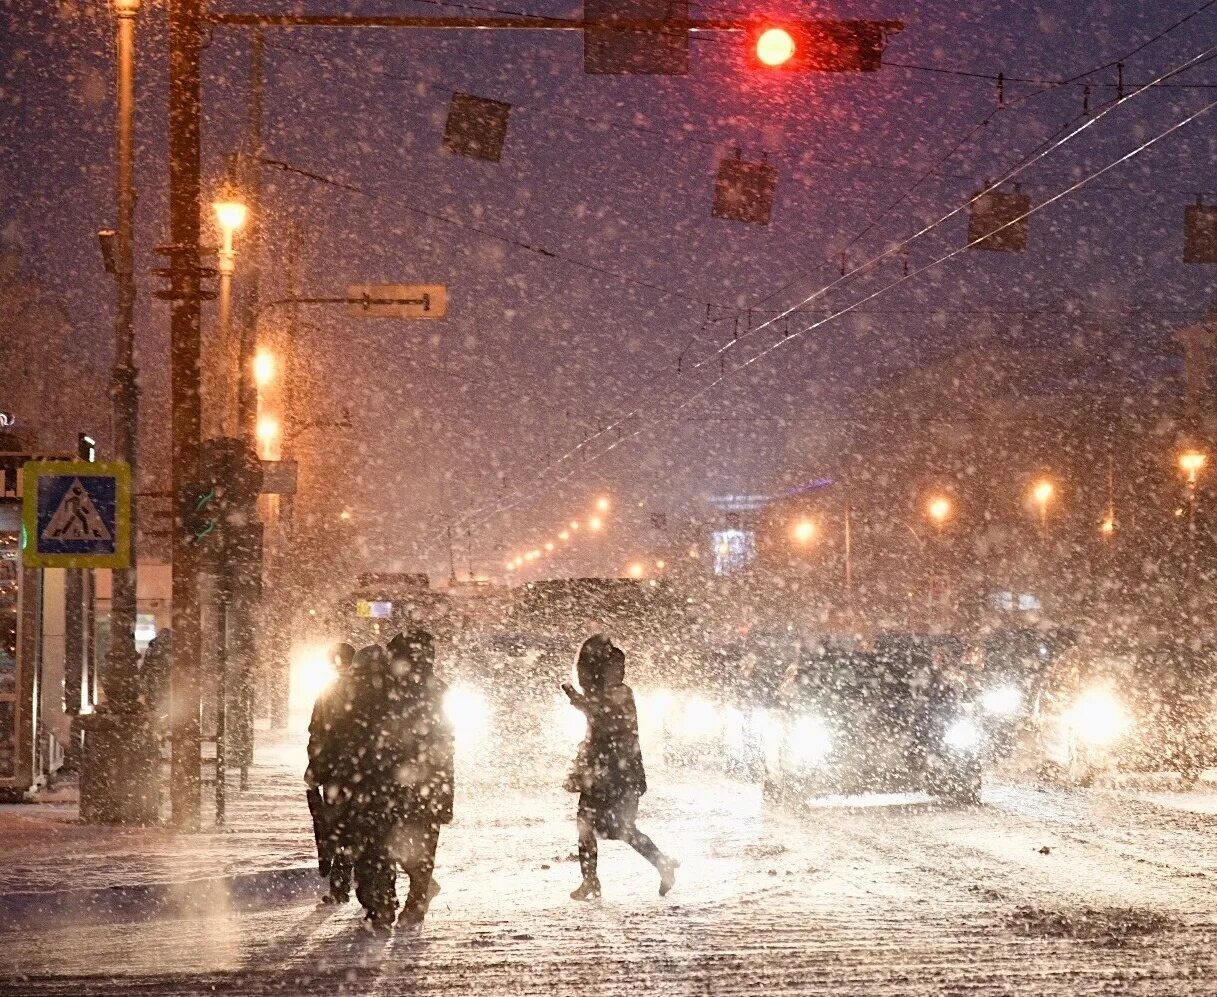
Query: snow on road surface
1056, 892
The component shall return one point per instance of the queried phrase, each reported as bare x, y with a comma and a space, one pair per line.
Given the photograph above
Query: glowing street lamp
264, 367
602, 505
268, 429
804, 532
1191, 463
636, 570
594, 523
549, 546
939, 510
1042, 493
564, 536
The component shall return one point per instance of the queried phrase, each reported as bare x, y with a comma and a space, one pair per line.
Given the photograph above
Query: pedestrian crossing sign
76, 515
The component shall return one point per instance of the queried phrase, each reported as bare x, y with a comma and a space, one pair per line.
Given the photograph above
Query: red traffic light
774, 47
822, 46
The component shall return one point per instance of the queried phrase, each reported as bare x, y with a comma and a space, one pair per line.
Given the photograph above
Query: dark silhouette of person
324, 745
421, 745
608, 773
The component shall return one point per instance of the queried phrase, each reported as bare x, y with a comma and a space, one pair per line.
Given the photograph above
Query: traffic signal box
821, 46
220, 511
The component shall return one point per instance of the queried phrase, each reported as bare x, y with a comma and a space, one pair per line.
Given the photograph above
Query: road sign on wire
397, 300
76, 515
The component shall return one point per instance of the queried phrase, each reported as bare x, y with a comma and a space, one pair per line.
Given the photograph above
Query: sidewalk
55, 865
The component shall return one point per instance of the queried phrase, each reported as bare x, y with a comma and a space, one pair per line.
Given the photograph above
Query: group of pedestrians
380, 777
381, 773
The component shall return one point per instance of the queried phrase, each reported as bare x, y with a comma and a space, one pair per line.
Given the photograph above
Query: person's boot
335, 898
667, 875
589, 889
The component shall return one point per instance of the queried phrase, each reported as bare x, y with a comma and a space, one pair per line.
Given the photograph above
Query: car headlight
962, 735
312, 672
1099, 717
733, 729
570, 721
468, 711
697, 718
808, 741
1005, 700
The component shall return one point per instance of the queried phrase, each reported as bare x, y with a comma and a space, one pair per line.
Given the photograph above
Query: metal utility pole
124, 386
185, 293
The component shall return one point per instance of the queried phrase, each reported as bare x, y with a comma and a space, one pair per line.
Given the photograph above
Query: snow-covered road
1034, 892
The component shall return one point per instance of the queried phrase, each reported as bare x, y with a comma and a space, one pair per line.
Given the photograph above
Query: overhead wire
620, 421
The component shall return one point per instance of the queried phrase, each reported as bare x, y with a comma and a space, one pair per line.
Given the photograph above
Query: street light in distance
939, 510
804, 532
264, 367
1191, 463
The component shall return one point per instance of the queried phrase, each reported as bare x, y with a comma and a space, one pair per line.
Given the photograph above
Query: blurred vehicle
1106, 708
1012, 663
901, 717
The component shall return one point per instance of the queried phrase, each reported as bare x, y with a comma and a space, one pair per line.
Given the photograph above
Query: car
1110, 706
896, 718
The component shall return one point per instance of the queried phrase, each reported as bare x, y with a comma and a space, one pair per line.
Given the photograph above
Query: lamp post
231, 214
1042, 493
121, 658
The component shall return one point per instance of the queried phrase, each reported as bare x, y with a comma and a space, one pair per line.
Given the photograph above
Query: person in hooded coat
324, 759
360, 782
608, 773
422, 746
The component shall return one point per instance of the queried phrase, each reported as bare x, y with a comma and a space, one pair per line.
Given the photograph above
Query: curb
241, 892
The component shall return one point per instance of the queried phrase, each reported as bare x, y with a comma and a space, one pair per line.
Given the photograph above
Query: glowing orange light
574, 525
564, 536
548, 546
940, 510
1043, 492
594, 523
264, 367
1191, 463
804, 531
775, 46
661, 565
636, 570
602, 505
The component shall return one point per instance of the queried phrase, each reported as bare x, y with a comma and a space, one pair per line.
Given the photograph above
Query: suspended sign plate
76, 515
744, 191
397, 300
1200, 234
614, 42
999, 222
476, 127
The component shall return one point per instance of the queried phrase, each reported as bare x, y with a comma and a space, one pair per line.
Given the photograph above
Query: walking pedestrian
360, 786
422, 746
325, 753
608, 773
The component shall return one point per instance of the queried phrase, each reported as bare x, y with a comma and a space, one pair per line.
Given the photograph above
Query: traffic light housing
219, 511
822, 46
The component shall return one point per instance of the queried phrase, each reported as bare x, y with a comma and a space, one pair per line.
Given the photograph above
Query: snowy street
1036, 892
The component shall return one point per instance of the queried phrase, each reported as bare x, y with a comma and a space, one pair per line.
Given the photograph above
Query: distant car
1108, 709
1013, 662
896, 719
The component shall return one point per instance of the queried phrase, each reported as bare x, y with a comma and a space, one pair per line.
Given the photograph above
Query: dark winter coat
608, 768
329, 710
418, 741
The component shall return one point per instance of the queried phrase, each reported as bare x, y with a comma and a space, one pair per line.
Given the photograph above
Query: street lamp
636, 570
939, 510
230, 212
1043, 493
804, 532
602, 505
264, 367
1191, 463
594, 523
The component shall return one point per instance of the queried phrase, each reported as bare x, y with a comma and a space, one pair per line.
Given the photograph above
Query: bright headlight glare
698, 718
312, 672
1099, 717
808, 740
1004, 700
962, 735
467, 710
571, 722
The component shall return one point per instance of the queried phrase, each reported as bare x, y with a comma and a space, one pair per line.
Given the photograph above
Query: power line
621, 421
482, 231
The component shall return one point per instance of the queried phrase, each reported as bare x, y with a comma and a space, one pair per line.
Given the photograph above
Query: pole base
119, 769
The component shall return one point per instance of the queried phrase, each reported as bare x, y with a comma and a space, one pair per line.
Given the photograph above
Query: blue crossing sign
76, 514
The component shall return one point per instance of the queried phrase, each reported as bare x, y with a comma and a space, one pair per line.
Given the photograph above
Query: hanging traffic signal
822, 46
744, 191
1200, 233
998, 221
638, 37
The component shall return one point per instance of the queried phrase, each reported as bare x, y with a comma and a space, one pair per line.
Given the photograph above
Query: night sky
617, 172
